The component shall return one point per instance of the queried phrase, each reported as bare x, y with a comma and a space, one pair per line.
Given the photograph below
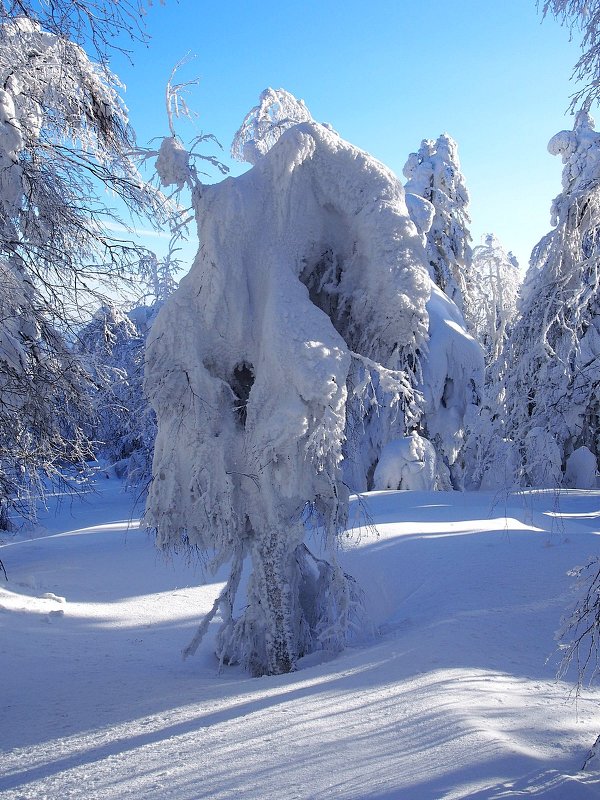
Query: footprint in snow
51, 615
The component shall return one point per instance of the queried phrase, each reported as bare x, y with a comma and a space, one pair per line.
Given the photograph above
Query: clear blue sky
386, 76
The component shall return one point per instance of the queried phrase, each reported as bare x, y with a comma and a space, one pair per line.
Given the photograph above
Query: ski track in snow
452, 699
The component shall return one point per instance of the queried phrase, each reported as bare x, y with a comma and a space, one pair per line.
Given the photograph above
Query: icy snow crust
264, 367
454, 700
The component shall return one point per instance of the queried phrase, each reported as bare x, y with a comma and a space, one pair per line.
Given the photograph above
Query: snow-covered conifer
434, 174
277, 110
296, 348
495, 285
551, 390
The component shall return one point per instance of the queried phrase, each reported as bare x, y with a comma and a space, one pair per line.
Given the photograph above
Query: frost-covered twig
225, 599
391, 380
175, 102
593, 754
581, 15
580, 634
175, 164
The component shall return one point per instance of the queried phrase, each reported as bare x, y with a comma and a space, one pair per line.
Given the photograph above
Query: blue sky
386, 76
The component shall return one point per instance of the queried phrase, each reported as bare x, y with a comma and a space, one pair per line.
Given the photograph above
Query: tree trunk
273, 561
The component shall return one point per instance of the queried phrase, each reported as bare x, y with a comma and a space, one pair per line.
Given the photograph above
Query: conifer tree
551, 364
434, 174
495, 286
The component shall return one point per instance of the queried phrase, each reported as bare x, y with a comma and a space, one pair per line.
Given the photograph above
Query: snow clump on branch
277, 110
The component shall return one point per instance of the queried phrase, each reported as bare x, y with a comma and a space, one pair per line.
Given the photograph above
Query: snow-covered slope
452, 699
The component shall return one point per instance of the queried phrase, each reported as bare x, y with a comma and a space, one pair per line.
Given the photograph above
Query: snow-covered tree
64, 138
157, 278
581, 15
123, 427
43, 399
277, 110
112, 348
97, 25
437, 200
63, 130
304, 339
433, 173
495, 285
491, 460
551, 391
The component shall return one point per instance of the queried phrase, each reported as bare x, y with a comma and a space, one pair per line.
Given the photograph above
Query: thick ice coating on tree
291, 350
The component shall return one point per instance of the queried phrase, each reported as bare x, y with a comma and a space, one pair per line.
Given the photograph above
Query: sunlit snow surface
452, 699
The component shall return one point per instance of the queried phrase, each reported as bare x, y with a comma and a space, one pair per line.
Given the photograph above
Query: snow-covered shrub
407, 463
500, 468
292, 353
581, 470
542, 459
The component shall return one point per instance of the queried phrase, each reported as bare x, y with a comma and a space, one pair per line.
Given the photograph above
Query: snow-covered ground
454, 698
